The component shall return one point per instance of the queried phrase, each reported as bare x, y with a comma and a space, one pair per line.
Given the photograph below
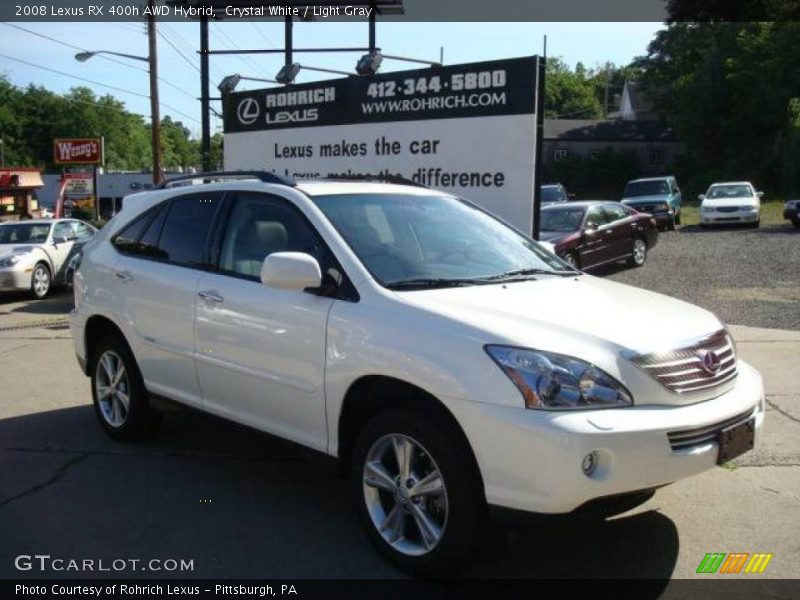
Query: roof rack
379, 178
212, 176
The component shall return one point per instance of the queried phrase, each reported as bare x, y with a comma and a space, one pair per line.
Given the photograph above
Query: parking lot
241, 504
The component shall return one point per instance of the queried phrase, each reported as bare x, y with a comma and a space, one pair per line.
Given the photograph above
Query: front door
260, 352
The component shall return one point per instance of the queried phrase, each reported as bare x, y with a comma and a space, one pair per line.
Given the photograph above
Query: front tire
120, 399
417, 492
572, 260
639, 255
41, 280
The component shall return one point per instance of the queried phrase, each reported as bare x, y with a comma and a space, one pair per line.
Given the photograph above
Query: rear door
163, 255
618, 231
260, 351
595, 247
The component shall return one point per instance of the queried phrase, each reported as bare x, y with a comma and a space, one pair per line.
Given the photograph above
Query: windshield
24, 233
729, 191
646, 188
433, 240
561, 219
551, 194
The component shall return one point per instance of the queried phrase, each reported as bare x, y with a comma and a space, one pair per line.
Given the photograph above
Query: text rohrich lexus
447, 361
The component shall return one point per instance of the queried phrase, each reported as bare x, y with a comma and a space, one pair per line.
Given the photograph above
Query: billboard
78, 151
469, 130
79, 184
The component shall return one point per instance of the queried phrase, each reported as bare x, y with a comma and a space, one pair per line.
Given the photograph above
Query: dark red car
592, 233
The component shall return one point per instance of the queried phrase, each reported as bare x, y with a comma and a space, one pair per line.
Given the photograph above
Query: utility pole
205, 100
155, 113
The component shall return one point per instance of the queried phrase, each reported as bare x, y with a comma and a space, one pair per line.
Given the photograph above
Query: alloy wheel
405, 494
639, 251
113, 389
41, 281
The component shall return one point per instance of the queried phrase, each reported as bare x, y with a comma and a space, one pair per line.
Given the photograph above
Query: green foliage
600, 177
731, 91
569, 94
31, 118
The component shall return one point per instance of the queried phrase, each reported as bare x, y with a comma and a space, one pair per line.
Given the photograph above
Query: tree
568, 94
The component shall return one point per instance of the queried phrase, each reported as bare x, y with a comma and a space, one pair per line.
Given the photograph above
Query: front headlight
556, 382
706, 209
10, 261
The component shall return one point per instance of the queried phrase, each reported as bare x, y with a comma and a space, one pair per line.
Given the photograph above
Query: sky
178, 64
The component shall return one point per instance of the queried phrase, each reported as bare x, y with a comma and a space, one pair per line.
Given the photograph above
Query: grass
771, 213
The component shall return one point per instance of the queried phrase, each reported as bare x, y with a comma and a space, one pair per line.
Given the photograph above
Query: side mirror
291, 271
701, 197
760, 194
59, 239
590, 227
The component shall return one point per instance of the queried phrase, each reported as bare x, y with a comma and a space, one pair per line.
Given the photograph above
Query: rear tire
678, 219
432, 532
41, 281
796, 223
120, 398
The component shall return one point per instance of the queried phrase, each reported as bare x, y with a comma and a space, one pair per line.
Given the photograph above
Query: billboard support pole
541, 67
288, 44
205, 101
372, 32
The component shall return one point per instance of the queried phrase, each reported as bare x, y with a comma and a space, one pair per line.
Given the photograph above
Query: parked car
791, 212
555, 193
35, 254
589, 233
658, 196
444, 358
730, 202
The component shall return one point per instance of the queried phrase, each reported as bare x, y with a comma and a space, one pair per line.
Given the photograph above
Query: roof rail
379, 178
212, 176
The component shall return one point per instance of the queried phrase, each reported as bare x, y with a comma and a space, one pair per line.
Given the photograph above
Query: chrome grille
682, 370
689, 438
727, 208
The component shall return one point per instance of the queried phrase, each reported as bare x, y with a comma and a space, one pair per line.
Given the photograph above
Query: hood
562, 313
9, 248
646, 199
715, 202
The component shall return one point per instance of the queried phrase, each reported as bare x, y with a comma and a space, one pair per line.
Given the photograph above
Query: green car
658, 196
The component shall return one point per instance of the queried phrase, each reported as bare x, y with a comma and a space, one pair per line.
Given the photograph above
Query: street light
152, 60
288, 73
229, 83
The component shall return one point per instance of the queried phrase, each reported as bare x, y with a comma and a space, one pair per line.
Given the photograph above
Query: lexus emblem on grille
710, 361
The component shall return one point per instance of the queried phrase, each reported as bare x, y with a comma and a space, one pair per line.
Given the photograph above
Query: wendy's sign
78, 151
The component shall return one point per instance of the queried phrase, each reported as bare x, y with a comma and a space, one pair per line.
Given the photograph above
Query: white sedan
36, 254
730, 202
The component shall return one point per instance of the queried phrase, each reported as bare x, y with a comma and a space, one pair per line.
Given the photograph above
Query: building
19, 188
634, 105
653, 142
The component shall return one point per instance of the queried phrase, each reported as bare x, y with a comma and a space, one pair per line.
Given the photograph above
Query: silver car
36, 254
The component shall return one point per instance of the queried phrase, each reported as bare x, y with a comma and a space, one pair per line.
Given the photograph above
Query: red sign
78, 151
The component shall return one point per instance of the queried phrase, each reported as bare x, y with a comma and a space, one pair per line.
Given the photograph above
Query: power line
111, 87
119, 62
245, 60
52, 39
264, 37
177, 51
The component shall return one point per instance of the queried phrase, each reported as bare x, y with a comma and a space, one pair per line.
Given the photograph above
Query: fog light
589, 463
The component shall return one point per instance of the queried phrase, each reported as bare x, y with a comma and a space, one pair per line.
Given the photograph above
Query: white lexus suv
447, 361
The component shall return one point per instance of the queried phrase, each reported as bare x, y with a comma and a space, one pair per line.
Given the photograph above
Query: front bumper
791, 214
531, 460
739, 216
13, 280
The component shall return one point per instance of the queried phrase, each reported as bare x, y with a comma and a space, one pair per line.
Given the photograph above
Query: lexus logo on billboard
248, 111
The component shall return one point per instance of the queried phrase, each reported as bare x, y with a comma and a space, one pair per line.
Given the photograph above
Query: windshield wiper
423, 283
527, 272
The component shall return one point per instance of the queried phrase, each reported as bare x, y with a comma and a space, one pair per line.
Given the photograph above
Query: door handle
211, 296
124, 276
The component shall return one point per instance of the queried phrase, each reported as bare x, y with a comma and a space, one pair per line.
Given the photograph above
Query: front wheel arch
373, 394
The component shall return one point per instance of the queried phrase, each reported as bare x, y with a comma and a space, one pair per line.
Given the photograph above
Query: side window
184, 235
260, 225
615, 213
596, 215
63, 230
148, 242
82, 231
125, 241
